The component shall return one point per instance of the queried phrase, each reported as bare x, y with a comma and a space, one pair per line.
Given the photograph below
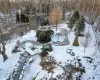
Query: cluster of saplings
22, 18
79, 23
44, 36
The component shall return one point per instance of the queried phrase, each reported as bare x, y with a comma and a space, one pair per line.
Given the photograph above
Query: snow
32, 69
59, 53
30, 36
56, 31
28, 45
55, 38
1, 58
11, 63
8, 66
31, 52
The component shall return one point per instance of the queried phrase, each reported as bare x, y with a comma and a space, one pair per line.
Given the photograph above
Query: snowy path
22, 63
32, 68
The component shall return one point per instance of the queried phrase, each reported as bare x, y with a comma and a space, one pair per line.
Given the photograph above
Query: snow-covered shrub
16, 48
73, 19
34, 78
48, 63
71, 71
47, 47
18, 43
43, 53
76, 43
44, 36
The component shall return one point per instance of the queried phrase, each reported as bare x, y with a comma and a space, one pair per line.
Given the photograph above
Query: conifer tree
73, 19
22, 17
26, 19
80, 25
17, 17
76, 41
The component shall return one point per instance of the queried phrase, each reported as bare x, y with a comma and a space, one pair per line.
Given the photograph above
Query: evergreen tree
73, 19
44, 35
80, 25
76, 41
22, 17
26, 19
17, 17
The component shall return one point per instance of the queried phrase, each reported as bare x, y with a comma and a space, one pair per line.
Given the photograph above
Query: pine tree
76, 41
44, 35
17, 17
80, 25
22, 17
26, 19
75, 16
73, 19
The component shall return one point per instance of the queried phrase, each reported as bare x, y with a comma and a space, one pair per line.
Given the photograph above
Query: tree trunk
83, 8
84, 50
97, 26
56, 27
3, 47
92, 13
79, 5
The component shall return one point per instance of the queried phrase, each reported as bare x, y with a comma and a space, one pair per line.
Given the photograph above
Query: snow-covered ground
59, 53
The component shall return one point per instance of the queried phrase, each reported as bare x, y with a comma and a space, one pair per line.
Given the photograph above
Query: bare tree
3, 46
92, 12
86, 41
98, 25
55, 16
4, 24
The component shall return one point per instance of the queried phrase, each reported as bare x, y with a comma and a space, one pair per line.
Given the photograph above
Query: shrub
34, 78
16, 48
44, 53
76, 41
48, 63
73, 19
44, 35
18, 43
47, 47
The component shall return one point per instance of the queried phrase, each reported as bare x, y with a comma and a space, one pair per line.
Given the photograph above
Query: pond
60, 36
